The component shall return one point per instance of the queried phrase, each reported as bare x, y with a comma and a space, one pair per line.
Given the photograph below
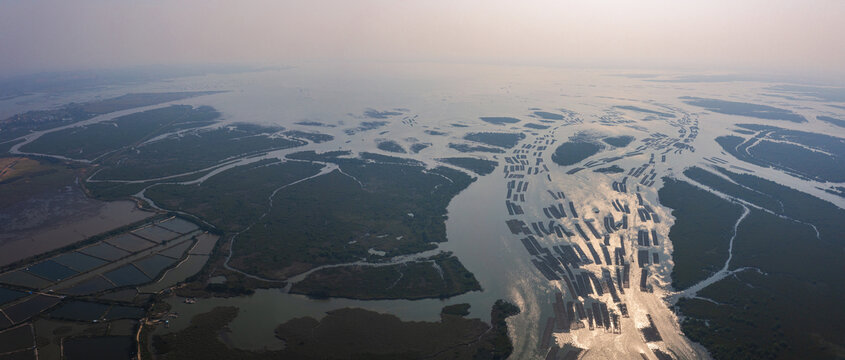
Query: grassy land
387, 159
819, 157
134, 100
804, 162
499, 120
831, 144
732, 144
412, 280
6, 145
710, 179
478, 166
457, 309
703, 227
498, 344
391, 146
416, 148
110, 191
831, 120
645, 111
618, 141
535, 126
36, 120
333, 219
471, 148
192, 151
572, 152
744, 109
311, 155
613, 169
827, 217
548, 115
349, 334
92, 141
200, 340
314, 137
836, 190
791, 311
123, 153
791, 307
505, 140
235, 198
233, 284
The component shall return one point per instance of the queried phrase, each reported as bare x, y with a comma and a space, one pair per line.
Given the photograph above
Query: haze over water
782, 37
738, 104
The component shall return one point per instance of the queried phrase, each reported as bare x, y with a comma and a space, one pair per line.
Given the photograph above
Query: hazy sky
729, 35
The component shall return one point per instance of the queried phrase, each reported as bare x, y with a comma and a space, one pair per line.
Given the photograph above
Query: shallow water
441, 95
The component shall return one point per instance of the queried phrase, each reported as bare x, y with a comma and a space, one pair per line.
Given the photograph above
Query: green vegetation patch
536, 126
798, 159
478, 166
785, 303
200, 340
337, 217
314, 123
819, 93
36, 120
314, 137
134, 100
498, 344
744, 109
234, 198
645, 111
471, 148
311, 155
803, 154
613, 169
376, 114
191, 151
790, 310
505, 140
441, 276
836, 190
731, 144
456, 309
499, 120
7, 145
391, 146
703, 227
744, 132
717, 182
416, 148
572, 152
828, 218
831, 120
92, 141
110, 191
618, 141
387, 159
548, 115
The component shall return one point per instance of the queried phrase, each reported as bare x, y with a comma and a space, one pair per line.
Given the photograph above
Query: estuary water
333, 99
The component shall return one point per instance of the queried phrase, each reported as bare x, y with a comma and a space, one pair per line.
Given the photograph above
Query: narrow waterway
692, 291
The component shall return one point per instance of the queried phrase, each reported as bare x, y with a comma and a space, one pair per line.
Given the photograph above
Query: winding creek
476, 229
